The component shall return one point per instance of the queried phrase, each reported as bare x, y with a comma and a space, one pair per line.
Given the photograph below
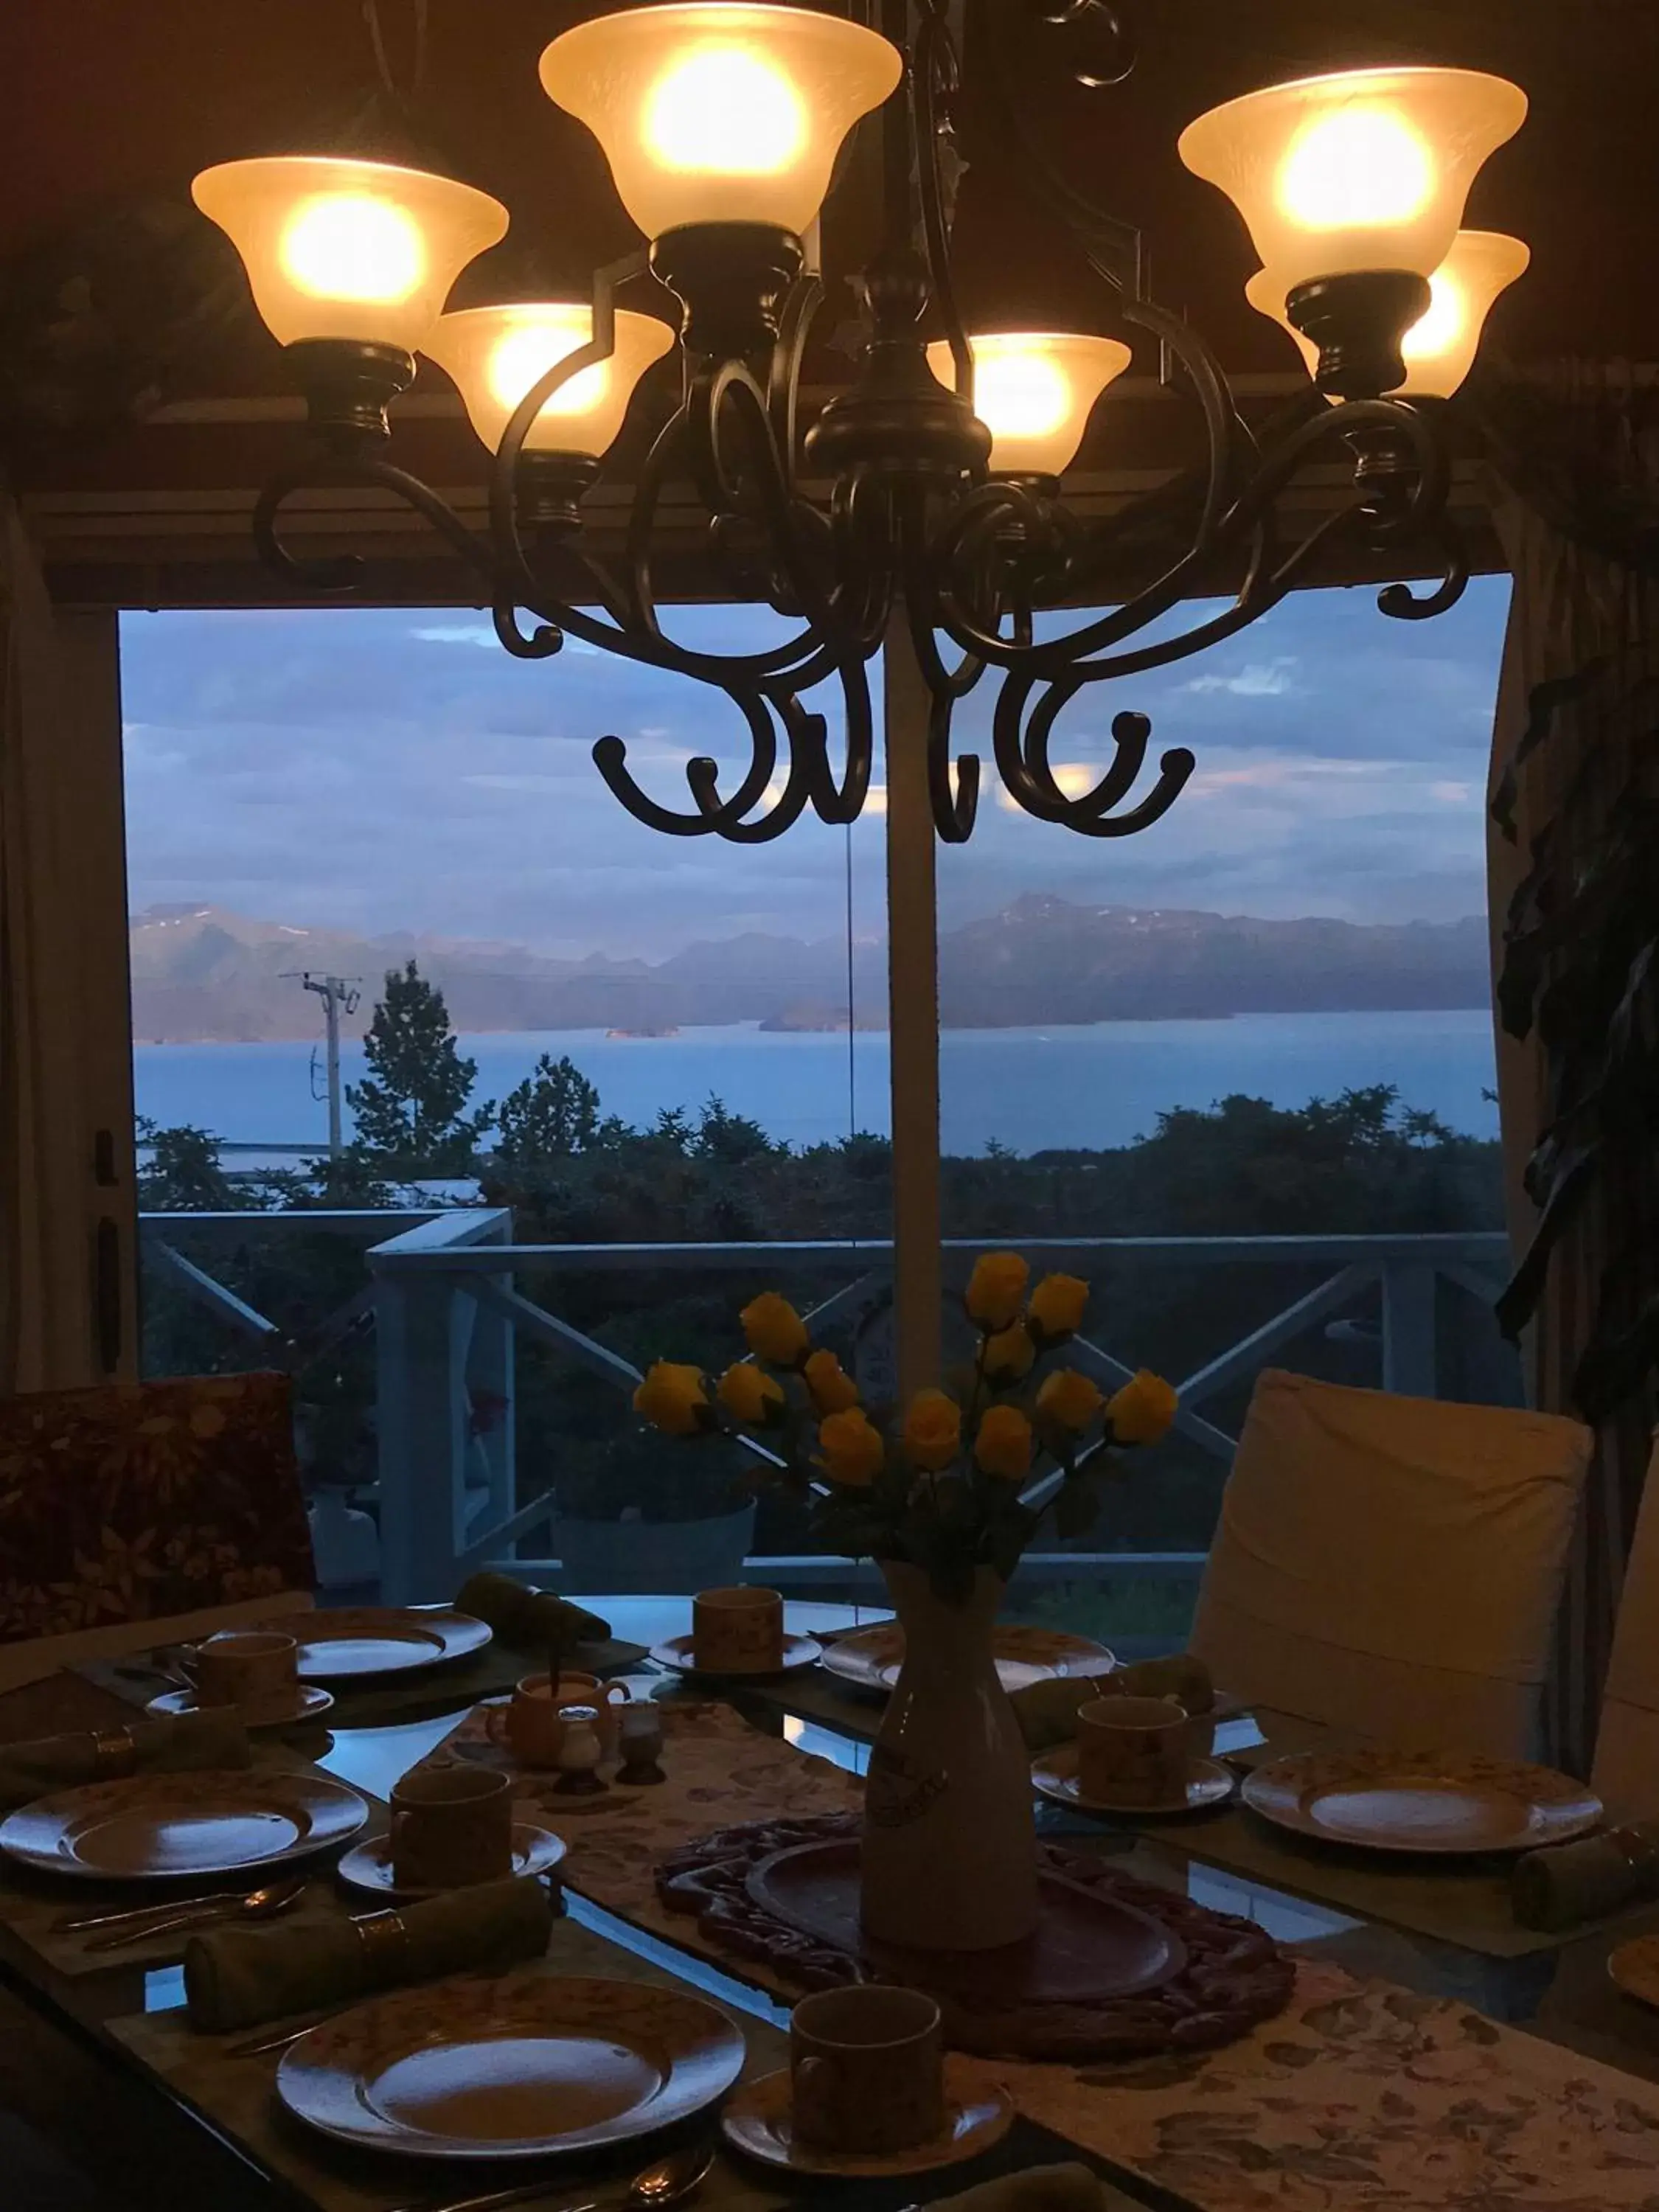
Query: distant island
202, 975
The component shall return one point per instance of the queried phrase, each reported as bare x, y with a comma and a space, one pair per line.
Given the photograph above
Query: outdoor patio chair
1392, 1565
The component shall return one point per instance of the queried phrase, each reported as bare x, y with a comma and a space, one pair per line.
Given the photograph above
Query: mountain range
202, 975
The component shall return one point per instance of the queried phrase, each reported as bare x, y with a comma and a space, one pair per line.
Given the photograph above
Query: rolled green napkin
1046, 1712
1557, 1888
28, 1771
242, 1977
1070, 2188
531, 1620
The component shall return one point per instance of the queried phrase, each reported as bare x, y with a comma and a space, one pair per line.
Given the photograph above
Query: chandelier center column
912, 1012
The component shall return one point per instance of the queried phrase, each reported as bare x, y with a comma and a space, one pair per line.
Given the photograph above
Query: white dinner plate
176, 1827
379, 1639
520, 2066
1429, 1803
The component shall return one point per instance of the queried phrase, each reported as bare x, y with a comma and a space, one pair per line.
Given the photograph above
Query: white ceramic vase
949, 1843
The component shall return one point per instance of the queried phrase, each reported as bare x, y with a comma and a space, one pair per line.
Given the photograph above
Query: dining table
90, 2054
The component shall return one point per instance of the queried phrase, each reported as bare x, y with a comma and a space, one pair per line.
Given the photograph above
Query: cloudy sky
390, 769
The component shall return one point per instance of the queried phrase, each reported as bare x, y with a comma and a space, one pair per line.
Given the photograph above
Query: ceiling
116, 300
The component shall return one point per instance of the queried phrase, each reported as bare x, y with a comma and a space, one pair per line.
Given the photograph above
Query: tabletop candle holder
641, 1739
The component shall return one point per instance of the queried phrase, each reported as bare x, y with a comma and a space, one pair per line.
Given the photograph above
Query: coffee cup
530, 1725
866, 2070
255, 1670
451, 1827
1133, 1751
737, 1631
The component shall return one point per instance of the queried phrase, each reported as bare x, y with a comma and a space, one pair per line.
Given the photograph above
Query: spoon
650, 2190
264, 1904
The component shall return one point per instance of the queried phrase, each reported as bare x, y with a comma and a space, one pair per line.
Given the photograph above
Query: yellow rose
854, 1450
749, 1394
933, 1431
1068, 1400
1056, 1307
833, 1388
1141, 1411
1008, 1356
1003, 1446
672, 1399
995, 1289
774, 1330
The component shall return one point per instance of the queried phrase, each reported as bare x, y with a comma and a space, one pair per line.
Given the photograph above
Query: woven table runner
1362, 2097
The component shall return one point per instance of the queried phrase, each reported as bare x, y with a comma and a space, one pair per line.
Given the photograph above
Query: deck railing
441, 1293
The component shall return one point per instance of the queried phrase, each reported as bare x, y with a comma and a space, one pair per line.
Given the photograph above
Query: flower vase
949, 1840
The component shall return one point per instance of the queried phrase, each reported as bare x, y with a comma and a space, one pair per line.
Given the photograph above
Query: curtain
65, 1193
1579, 458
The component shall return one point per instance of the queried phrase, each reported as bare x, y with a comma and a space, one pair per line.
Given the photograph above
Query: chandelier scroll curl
929, 487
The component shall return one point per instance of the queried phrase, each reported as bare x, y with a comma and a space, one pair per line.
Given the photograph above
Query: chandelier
927, 493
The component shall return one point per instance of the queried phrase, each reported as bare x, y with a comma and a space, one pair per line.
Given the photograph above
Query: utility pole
339, 994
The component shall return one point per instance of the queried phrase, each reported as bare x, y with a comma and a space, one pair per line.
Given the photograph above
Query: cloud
1257, 679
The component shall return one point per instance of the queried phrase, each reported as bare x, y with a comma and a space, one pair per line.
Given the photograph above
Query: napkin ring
113, 1751
384, 1940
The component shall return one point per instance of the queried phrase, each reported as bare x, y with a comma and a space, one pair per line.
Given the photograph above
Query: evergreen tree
411, 1107
552, 1114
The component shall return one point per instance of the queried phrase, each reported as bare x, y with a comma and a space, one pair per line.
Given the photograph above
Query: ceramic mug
866, 2069
256, 1669
530, 1726
451, 1827
737, 1631
1133, 1751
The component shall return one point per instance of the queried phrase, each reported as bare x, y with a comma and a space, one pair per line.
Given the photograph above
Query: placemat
1365, 2098
234, 2094
30, 1902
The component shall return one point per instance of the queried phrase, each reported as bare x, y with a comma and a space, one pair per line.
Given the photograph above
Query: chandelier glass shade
1035, 391
715, 114
494, 355
1439, 349
928, 488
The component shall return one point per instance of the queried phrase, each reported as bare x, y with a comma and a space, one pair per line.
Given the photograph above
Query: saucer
368, 1868
309, 1704
676, 1655
757, 2121
1055, 1775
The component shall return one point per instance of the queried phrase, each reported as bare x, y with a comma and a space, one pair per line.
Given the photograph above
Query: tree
411, 1107
552, 1114
184, 1176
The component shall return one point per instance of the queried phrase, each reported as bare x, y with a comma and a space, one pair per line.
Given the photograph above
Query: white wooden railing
442, 1297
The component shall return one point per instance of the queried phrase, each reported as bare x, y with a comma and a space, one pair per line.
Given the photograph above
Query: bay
1092, 1087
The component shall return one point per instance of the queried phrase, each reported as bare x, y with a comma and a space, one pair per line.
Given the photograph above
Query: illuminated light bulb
1034, 391
344, 249
1356, 167
725, 110
496, 354
1440, 347
350, 245
1368, 169
711, 113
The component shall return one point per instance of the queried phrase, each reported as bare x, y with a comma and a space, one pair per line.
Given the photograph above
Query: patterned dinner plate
175, 1827
367, 1867
872, 1657
1634, 1967
1055, 1775
677, 1652
379, 1639
1429, 1802
518, 2067
757, 2120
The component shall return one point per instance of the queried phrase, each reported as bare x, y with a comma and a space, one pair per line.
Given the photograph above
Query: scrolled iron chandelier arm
932, 482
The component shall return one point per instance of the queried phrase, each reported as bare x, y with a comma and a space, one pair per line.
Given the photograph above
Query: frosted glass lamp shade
1034, 391
1439, 347
1367, 169
715, 114
337, 249
496, 354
